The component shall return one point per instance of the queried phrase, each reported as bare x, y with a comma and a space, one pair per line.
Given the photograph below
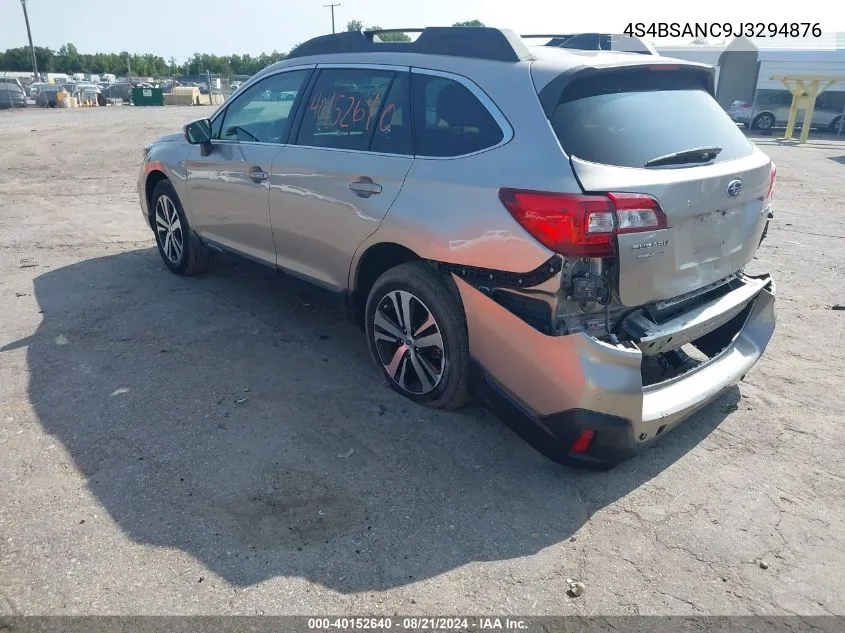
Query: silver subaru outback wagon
561, 233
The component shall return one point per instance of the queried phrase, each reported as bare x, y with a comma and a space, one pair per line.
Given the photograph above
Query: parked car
48, 95
88, 92
771, 109
276, 95
562, 233
11, 96
14, 81
33, 88
121, 92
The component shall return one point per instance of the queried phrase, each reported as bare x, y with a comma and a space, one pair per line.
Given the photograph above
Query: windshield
631, 118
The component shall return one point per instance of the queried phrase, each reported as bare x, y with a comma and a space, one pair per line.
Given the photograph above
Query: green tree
357, 25
45, 58
469, 23
390, 37
68, 59
17, 59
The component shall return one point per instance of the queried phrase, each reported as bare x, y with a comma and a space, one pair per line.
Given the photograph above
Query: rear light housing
582, 225
767, 199
582, 443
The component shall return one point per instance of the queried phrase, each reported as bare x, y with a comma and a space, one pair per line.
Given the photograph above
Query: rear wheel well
376, 261
153, 178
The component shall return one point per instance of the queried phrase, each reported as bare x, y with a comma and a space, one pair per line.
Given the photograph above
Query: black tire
834, 125
194, 257
764, 121
418, 279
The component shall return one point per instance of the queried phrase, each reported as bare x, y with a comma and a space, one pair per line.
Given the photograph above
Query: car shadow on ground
234, 418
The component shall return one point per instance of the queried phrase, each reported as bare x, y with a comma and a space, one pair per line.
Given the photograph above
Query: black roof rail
457, 41
602, 42
542, 36
555, 39
372, 32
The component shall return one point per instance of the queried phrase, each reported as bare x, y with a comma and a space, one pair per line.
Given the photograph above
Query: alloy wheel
409, 342
169, 229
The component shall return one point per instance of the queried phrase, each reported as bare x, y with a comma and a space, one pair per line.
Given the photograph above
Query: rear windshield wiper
694, 155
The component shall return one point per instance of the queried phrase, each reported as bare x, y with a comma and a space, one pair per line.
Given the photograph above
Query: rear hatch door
631, 130
710, 233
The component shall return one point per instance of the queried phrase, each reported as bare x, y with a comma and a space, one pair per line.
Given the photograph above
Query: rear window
628, 118
449, 120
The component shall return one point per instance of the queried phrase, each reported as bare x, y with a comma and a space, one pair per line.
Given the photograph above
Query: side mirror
198, 132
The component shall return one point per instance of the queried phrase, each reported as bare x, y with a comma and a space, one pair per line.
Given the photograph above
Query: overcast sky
182, 27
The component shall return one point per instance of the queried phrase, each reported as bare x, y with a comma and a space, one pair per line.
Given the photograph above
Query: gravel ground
222, 445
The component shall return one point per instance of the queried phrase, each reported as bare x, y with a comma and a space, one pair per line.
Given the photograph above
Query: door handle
256, 174
364, 187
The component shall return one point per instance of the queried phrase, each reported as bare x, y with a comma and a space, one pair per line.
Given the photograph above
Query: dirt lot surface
223, 445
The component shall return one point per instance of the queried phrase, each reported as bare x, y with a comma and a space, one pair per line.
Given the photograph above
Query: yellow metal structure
804, 91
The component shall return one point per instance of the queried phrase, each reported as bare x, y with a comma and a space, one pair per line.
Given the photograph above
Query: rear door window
349, 107
392, 134
449, 120
630, 117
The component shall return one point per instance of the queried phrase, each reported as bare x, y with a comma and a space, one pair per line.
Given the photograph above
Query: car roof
512, 58
447, 47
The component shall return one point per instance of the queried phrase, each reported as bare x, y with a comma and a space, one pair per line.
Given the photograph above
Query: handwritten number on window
385, 121
373, 103
340, 110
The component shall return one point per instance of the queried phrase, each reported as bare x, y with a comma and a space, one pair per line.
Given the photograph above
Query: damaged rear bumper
550, 389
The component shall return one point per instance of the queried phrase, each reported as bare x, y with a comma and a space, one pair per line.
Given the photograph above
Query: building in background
744, 66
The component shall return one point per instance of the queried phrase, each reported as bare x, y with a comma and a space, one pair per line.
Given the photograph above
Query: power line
325, 6
29, 35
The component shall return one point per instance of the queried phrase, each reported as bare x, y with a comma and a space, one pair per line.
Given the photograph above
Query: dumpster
147, 96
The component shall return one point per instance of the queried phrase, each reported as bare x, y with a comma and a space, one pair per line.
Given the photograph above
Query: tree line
68, 59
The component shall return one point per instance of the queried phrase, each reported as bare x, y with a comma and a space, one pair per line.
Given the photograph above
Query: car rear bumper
550, 389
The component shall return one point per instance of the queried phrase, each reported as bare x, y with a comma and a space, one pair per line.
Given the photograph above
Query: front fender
171, 159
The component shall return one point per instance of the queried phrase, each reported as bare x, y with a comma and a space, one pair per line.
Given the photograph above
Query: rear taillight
772, 177
582, 225
636, 212
583, 442
744, 106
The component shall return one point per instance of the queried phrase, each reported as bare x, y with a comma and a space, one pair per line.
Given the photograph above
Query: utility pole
325, 6
29, 35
